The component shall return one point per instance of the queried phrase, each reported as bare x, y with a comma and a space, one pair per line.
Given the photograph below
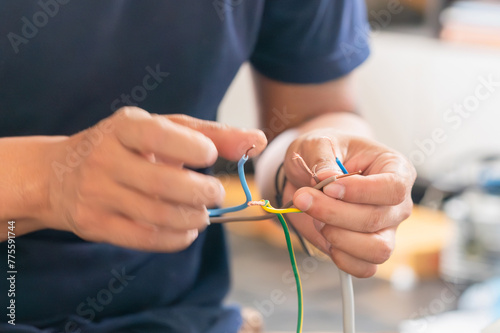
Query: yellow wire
270, 209
293, 261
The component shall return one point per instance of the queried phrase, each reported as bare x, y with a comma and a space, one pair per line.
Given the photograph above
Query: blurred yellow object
419, 5
419, 241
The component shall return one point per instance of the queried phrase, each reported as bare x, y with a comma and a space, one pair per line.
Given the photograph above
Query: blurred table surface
259, 269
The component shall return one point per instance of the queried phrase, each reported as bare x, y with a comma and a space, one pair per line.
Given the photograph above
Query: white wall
405, 89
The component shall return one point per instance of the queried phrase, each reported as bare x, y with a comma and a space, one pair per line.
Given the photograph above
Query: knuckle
332, 236
81, 220
93, 163
213, 191
398, 192
126, 112
156, 186
153, 213
182, 243
123, 112
337, 258
367, 272
364, 271
383, 252
192, 218
374, 222
406, 211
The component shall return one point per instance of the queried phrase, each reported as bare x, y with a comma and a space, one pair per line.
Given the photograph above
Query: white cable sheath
347, 301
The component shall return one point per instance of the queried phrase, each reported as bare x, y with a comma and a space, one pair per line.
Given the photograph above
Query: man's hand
354, 219
132, 187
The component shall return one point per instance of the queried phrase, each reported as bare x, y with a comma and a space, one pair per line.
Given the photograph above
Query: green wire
295, 271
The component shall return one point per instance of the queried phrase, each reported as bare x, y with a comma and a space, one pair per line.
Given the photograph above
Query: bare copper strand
314, 174
350, 174
226, 219
331, 144
303, 163
256, 203
246, 154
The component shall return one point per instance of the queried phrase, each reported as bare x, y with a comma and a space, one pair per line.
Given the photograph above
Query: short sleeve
311, 41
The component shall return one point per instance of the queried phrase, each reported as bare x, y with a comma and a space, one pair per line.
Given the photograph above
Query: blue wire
341, 166
243, 181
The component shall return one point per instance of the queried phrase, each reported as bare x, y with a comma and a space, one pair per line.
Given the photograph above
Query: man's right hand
125, 181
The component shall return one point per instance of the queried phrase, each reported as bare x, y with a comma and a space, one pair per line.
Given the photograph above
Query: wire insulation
293, 261
345, 279
319, 186
346, 286
241, 174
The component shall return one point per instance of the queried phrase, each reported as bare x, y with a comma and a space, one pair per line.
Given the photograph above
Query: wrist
269, 162
346, 122
26, 171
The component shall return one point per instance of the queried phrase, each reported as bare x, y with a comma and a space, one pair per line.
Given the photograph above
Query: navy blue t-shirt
65, 65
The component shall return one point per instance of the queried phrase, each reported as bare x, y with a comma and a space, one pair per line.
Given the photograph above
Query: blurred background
431, 89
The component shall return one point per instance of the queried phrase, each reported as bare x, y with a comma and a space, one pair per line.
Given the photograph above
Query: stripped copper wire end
331, 143
246, 153
314, 174
359, 172
256, 203
304, 165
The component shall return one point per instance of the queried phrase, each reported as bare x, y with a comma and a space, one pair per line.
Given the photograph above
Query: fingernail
318, 225
303, 201
334, 190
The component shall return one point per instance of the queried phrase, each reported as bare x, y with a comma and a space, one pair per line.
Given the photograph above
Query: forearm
346, 122
24, 173
290, 110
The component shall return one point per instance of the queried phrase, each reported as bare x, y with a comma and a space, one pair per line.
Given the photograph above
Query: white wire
347, 301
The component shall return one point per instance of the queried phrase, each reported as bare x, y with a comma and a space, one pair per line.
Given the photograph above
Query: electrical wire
345, 278
319, 186
348, 316
267, 207
244, 185
293, 261
270, 209
346, 286
341, 166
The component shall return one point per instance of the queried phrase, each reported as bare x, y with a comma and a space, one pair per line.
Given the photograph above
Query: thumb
231, 142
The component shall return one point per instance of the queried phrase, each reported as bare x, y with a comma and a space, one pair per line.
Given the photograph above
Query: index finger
142, 132
386, 189
231, 142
